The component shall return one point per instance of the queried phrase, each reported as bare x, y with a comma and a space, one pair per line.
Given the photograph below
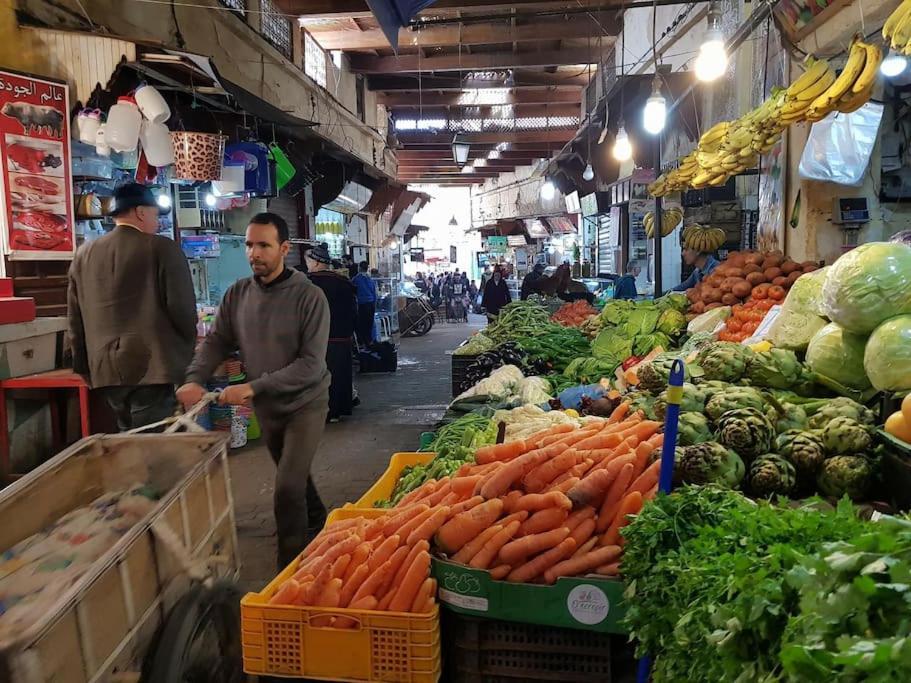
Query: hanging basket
197, 156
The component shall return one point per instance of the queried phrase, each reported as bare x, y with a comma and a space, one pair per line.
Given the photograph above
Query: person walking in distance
496, 294
280, 322
340, 294
132, 312
366, 304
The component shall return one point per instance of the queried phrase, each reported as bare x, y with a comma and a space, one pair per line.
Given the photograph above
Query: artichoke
845, 435
653, 376
711, 387
733, 398
725, 361
771, 475
747, 431
710, 463
693, 428
693, 401
846, 474
793, 417
775, 368
841, 407
804, 450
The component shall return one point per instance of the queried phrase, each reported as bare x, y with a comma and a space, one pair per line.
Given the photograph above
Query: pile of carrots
528, 511
574, 314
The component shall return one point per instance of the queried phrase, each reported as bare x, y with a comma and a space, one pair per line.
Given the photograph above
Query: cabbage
534, 390
868, 285
887, 359
799, 318
708, 321
838, 355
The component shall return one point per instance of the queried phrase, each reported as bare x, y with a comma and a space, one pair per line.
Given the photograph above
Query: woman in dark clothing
496, 294
342, 313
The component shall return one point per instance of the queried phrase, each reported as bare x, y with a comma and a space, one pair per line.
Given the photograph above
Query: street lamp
460, 149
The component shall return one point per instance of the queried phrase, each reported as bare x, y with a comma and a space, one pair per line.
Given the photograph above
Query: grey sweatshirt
282, 332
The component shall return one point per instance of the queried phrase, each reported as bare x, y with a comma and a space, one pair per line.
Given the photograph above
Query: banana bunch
677, 179
703, 238
854, 85
800, 95
670, 219
897, 29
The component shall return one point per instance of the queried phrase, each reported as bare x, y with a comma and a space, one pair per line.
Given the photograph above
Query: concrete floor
395, 408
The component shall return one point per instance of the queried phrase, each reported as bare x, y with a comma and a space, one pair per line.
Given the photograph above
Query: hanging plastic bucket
284, 169
197, 156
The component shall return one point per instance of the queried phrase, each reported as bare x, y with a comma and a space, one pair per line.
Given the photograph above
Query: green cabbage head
868, 285
887, 359
838, 355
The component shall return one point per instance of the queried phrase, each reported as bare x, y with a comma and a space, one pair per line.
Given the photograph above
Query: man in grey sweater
280, 322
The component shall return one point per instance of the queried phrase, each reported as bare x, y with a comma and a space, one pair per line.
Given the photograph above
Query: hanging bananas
897, 29
670, 219
703, 238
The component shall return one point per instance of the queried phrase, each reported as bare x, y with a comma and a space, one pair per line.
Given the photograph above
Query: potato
751, 268
771, 261
792, 278
810, 269
691, 294
735, 259
771, 272
779, 281
710, 307
713, 280
741, 289
756, 278
711, 295
698, 307
756, 259
728, 284
789, 267
730, 299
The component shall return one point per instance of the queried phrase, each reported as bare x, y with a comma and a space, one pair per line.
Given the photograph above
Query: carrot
541, 501
643, 452
316, 588
330, 595
647, 479
368, 602
351, 585
286, 593
340, 525
459, 508
599, 442
612, 569
565, 485
572, 438
324, 539
599, 455
439, 494
425, 592
578, 516
651, 493
340, 566
465, 485
470, 469
614, 496
494, 468
643, 430
427, 489
383, 551
577, 471
544, 520
473, 547
614, 465
631, 505
489, 551
538, 479
415, 523
518, 515
516, 551
395, 563
374, 529
463, 527
538, 565
587, 547
410, 585
420, 546
429, 527
562, 428
590, 490
500, 481
582, 564
619, 413
394, 522
358, 557
657, 440
500, 572
373, 582
419, 492
335, 552
500, 451
510, 500
582, 533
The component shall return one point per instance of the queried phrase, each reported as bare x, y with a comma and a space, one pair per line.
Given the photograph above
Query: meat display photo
37, 187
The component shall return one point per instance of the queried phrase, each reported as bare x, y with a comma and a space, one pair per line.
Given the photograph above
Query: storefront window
236, 5
314, 60
330, 228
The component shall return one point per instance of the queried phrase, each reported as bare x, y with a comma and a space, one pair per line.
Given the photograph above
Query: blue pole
666, 478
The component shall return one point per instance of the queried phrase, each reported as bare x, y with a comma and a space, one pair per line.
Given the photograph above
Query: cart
160, 604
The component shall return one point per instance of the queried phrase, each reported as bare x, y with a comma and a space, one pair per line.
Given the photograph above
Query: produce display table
45, 381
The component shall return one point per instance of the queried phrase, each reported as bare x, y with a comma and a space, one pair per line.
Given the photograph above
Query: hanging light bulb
210, 200
623, 150
712, 62
654, 115
548, 190
893, 65
164, 200
589, 173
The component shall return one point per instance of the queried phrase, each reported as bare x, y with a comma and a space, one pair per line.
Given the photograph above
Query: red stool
44, 381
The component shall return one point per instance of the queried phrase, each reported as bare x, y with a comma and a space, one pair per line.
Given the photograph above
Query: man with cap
528, 284
340, 293
132, 312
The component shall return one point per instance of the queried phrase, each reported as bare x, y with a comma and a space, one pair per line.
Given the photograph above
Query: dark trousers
338, 358
140, 405
292, 442
365, 315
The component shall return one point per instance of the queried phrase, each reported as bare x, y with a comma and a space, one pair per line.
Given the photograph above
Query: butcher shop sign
36, 184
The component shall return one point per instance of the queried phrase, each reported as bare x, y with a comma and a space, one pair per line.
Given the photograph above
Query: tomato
749, 305
750, 327
765, 304
733, 325
736, 309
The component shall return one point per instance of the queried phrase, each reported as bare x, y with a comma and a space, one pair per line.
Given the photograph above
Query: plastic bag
839, 147
800, 317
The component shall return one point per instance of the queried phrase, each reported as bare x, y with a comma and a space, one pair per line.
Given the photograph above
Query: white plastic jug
124, 121
156, 142
152, 104
101, 145
86, 128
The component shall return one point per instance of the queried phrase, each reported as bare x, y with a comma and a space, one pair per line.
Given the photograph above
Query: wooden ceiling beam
527, 149
454, 83
545, 28
359, 8
478, 98
486, 111
369, 64
525, 136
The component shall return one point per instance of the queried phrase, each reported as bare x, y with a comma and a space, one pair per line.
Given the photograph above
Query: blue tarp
394, 14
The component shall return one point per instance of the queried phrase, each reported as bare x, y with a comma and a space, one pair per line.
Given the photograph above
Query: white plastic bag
839, 147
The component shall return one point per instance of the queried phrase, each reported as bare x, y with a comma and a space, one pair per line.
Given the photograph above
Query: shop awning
394, 14
412, 230
560, 225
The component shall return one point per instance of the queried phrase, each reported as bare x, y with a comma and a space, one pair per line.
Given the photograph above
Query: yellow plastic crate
279, 640
382, 489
